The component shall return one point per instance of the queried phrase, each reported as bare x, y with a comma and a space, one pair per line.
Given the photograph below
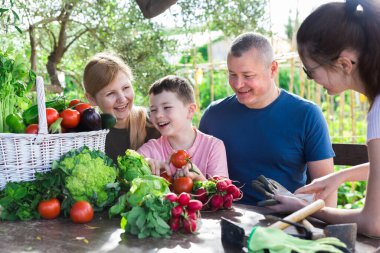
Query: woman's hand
323, 186
156, 166
287, 203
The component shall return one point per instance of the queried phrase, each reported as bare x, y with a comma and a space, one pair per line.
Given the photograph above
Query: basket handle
42, 123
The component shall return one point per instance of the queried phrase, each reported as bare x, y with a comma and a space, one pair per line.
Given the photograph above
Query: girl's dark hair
176, 84
334, 27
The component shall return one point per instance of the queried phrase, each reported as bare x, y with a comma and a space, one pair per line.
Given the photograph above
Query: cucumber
108, 120
30, 115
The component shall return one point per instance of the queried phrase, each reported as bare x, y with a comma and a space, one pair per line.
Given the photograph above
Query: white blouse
373, 120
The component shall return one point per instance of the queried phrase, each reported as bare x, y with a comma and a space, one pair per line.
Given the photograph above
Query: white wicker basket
21, 155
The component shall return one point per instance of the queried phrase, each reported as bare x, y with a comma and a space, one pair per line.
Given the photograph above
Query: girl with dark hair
339, 45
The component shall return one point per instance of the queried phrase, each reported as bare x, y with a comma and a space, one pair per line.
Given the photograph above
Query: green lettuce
132, 165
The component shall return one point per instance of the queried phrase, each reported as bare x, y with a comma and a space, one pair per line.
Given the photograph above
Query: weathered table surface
104, 235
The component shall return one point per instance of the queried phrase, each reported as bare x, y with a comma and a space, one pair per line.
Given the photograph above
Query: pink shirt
207, 153
373, 120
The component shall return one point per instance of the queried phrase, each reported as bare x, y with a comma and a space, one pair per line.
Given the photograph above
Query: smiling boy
172, 108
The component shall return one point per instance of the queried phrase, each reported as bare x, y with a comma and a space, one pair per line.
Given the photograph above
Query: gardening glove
277, 241
269, 187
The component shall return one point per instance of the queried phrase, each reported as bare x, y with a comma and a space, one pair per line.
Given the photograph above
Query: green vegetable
15, 81
108, 120
89, 175
15, 123
132, 165
140, 187
19, 200
148, 219
30, 115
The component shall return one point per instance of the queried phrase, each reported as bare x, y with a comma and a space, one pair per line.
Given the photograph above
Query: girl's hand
156, 166
287, 204
323, 186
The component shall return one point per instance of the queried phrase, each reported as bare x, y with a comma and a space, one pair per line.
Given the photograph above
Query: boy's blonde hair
99, 72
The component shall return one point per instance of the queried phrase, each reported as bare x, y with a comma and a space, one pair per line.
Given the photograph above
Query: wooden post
353, 118
341, 115
210, 60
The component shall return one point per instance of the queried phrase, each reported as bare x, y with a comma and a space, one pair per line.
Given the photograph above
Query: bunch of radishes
217, 193
185, 212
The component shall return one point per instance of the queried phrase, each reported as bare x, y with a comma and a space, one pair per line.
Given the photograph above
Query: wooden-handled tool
300, 214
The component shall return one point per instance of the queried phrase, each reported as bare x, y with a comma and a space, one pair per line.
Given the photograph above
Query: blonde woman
107, 80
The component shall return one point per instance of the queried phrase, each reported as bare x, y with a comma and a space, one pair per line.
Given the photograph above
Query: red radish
216, 178
183, 199
221, 185
189, 225
172, 197
216, 202
177, 211
227, 201
192, 214
201, 195
232, 189
194, 205
228, 181
174, 223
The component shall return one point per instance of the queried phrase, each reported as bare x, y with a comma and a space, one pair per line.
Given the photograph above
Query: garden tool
269, 187
345, 232
234, 234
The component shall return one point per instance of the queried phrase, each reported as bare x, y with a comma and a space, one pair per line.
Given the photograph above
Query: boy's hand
185, 172
156, 166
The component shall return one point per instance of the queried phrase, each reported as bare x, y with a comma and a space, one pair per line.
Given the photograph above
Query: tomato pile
80, 212
185, 212
217, 193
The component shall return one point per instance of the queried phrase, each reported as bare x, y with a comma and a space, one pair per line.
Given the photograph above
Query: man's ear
274, 69
191, 110
91, 99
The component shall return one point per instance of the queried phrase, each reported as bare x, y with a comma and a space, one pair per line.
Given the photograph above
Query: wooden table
104, 235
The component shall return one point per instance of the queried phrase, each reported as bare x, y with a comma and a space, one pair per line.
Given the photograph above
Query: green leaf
123, 222
140, 222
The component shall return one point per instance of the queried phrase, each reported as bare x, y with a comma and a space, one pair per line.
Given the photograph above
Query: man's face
252, 79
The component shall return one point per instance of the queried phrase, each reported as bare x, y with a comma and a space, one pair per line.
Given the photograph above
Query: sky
280, 11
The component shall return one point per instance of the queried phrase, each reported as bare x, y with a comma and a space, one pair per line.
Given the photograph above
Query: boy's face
169, 114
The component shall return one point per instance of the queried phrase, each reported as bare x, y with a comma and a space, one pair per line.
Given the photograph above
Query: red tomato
51, 115
183, 184
49, 209
74, 102
32, 129
165, 175
180, 158
70, 118
81, 212
81, 107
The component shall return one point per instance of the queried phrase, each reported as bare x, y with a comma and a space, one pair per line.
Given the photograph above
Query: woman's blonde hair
101, 71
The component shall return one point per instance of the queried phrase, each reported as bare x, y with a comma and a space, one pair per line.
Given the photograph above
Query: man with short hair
266, 130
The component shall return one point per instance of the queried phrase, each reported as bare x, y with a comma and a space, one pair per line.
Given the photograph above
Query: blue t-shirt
275, 141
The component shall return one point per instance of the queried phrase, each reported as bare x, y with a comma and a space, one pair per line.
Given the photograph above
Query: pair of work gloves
269, 187
274, 240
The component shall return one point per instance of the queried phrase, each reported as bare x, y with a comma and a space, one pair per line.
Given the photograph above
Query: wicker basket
21, 155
